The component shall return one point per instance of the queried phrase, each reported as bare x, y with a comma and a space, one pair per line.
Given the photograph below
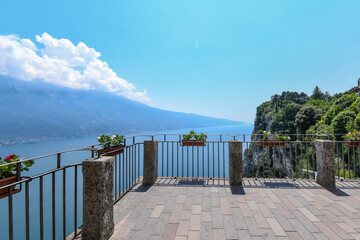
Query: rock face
268, 162
235, 163
98, 198
325, 160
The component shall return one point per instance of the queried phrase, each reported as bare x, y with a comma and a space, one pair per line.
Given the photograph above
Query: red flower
10, 157
205, 136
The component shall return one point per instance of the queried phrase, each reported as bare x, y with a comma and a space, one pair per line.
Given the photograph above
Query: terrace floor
262, 209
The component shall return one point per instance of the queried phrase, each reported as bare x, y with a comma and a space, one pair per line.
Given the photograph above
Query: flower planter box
195, 143
352, 143
112, 151
7, 181
271, 143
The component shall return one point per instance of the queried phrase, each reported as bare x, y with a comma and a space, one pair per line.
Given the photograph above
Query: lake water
41, 165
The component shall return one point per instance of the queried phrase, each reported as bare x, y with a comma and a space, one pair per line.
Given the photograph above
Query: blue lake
52, 146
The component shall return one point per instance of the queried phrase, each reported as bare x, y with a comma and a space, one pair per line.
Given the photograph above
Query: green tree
284, 120
343, 122
318, 94
305, 118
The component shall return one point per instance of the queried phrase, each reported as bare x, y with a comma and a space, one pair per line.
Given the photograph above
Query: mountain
37, 110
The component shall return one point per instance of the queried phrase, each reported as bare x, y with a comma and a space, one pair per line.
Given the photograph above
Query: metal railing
51, 203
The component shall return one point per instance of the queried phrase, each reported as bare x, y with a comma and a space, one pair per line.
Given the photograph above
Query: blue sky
215, 58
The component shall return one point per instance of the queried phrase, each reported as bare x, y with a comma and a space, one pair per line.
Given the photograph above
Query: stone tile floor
262, 209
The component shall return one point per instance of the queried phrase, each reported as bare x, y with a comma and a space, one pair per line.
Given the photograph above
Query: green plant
354, 135
195, 136
117, 140
266, 135
283, 138
107, 141
9, 170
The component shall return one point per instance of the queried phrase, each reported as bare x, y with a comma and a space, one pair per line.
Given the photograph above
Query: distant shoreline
43, 139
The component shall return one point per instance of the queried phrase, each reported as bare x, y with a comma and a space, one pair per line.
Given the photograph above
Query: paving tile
185, 215
195, 222
245, 210
260, 219
183, 228
308, 214
238, 218
219, 234
276, 227
217, 220
196, 209
170, 231
229, 227
326, 231
161, 224
176, 213
335, 228
243, 234
206, 217
157, 211
206, 231
194, 235
299, 228
180, 199
306, 222
225, 206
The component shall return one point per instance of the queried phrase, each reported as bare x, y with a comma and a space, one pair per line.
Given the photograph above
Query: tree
343, 122
318, 94
305, 118
284, 120
275, 99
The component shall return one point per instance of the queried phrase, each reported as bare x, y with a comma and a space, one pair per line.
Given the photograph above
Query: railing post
98, 198
150, 162
325, 160
235, 163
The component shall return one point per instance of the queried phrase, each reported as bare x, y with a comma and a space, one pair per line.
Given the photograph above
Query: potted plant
279, 140
353, 139
193, 139
111, 145
7, 173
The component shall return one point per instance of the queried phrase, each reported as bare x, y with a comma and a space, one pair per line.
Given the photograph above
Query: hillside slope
36, 110
320, 113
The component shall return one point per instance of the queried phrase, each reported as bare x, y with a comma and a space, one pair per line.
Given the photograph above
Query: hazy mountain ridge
37, 110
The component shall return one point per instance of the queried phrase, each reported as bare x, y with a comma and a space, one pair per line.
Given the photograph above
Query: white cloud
60, 62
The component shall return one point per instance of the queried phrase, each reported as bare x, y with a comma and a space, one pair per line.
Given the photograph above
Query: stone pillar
325, 161
235, 163
150, 162
98, 198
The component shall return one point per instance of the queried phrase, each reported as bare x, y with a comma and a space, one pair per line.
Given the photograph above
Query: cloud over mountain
60, 62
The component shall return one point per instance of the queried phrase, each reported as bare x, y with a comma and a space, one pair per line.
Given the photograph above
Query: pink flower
349, 133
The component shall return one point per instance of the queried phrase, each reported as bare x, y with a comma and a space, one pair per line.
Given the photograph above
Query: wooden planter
7, 181
195, 143
352, 143
271, 143
112, 151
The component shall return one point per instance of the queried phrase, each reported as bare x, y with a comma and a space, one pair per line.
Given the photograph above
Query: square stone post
150, 162
98, 198
235, 163
325, 163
